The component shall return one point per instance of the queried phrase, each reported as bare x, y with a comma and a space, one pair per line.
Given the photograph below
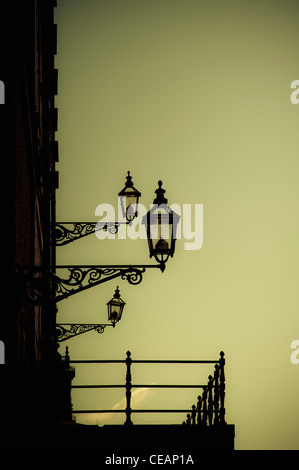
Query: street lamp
65, 331
129, 197
161, 226
115, 307
64, 233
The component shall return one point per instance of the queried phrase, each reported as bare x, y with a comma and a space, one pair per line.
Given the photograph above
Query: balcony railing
209, 410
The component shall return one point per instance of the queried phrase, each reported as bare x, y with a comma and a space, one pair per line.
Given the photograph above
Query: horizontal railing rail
139, 386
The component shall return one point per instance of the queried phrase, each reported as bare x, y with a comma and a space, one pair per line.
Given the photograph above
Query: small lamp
129, 197
115, 307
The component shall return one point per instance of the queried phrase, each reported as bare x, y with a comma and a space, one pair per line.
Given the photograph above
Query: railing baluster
204, 407
210, 400
193, 414
222, 388
128, 389
199, 417
216, 394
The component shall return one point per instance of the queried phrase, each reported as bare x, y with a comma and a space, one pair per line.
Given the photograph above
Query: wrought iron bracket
43, 284
67, 232
65, 331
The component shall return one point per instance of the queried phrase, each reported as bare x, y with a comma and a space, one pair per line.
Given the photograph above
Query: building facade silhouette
29, 151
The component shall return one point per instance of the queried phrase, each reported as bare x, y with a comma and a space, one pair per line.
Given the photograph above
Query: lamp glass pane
131, 200
129, 197
161, 230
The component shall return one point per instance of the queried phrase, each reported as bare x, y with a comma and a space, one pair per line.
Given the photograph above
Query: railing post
128, 389
199, 420
222, 388
216, 394
210, 400
193, 414
204, 407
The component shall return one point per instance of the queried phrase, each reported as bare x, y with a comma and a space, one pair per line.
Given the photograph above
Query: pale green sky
197, 94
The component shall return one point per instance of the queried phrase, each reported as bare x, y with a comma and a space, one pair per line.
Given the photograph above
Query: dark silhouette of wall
28, 153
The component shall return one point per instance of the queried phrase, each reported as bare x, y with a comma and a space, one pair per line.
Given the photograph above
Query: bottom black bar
122, 440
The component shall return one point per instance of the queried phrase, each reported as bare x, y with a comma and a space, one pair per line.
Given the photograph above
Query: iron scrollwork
83, 278
65, 331
42, 284
67, 232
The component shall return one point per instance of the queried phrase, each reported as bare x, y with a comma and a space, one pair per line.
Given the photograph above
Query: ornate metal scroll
67, 232
42, 284
65, 331
83, 278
